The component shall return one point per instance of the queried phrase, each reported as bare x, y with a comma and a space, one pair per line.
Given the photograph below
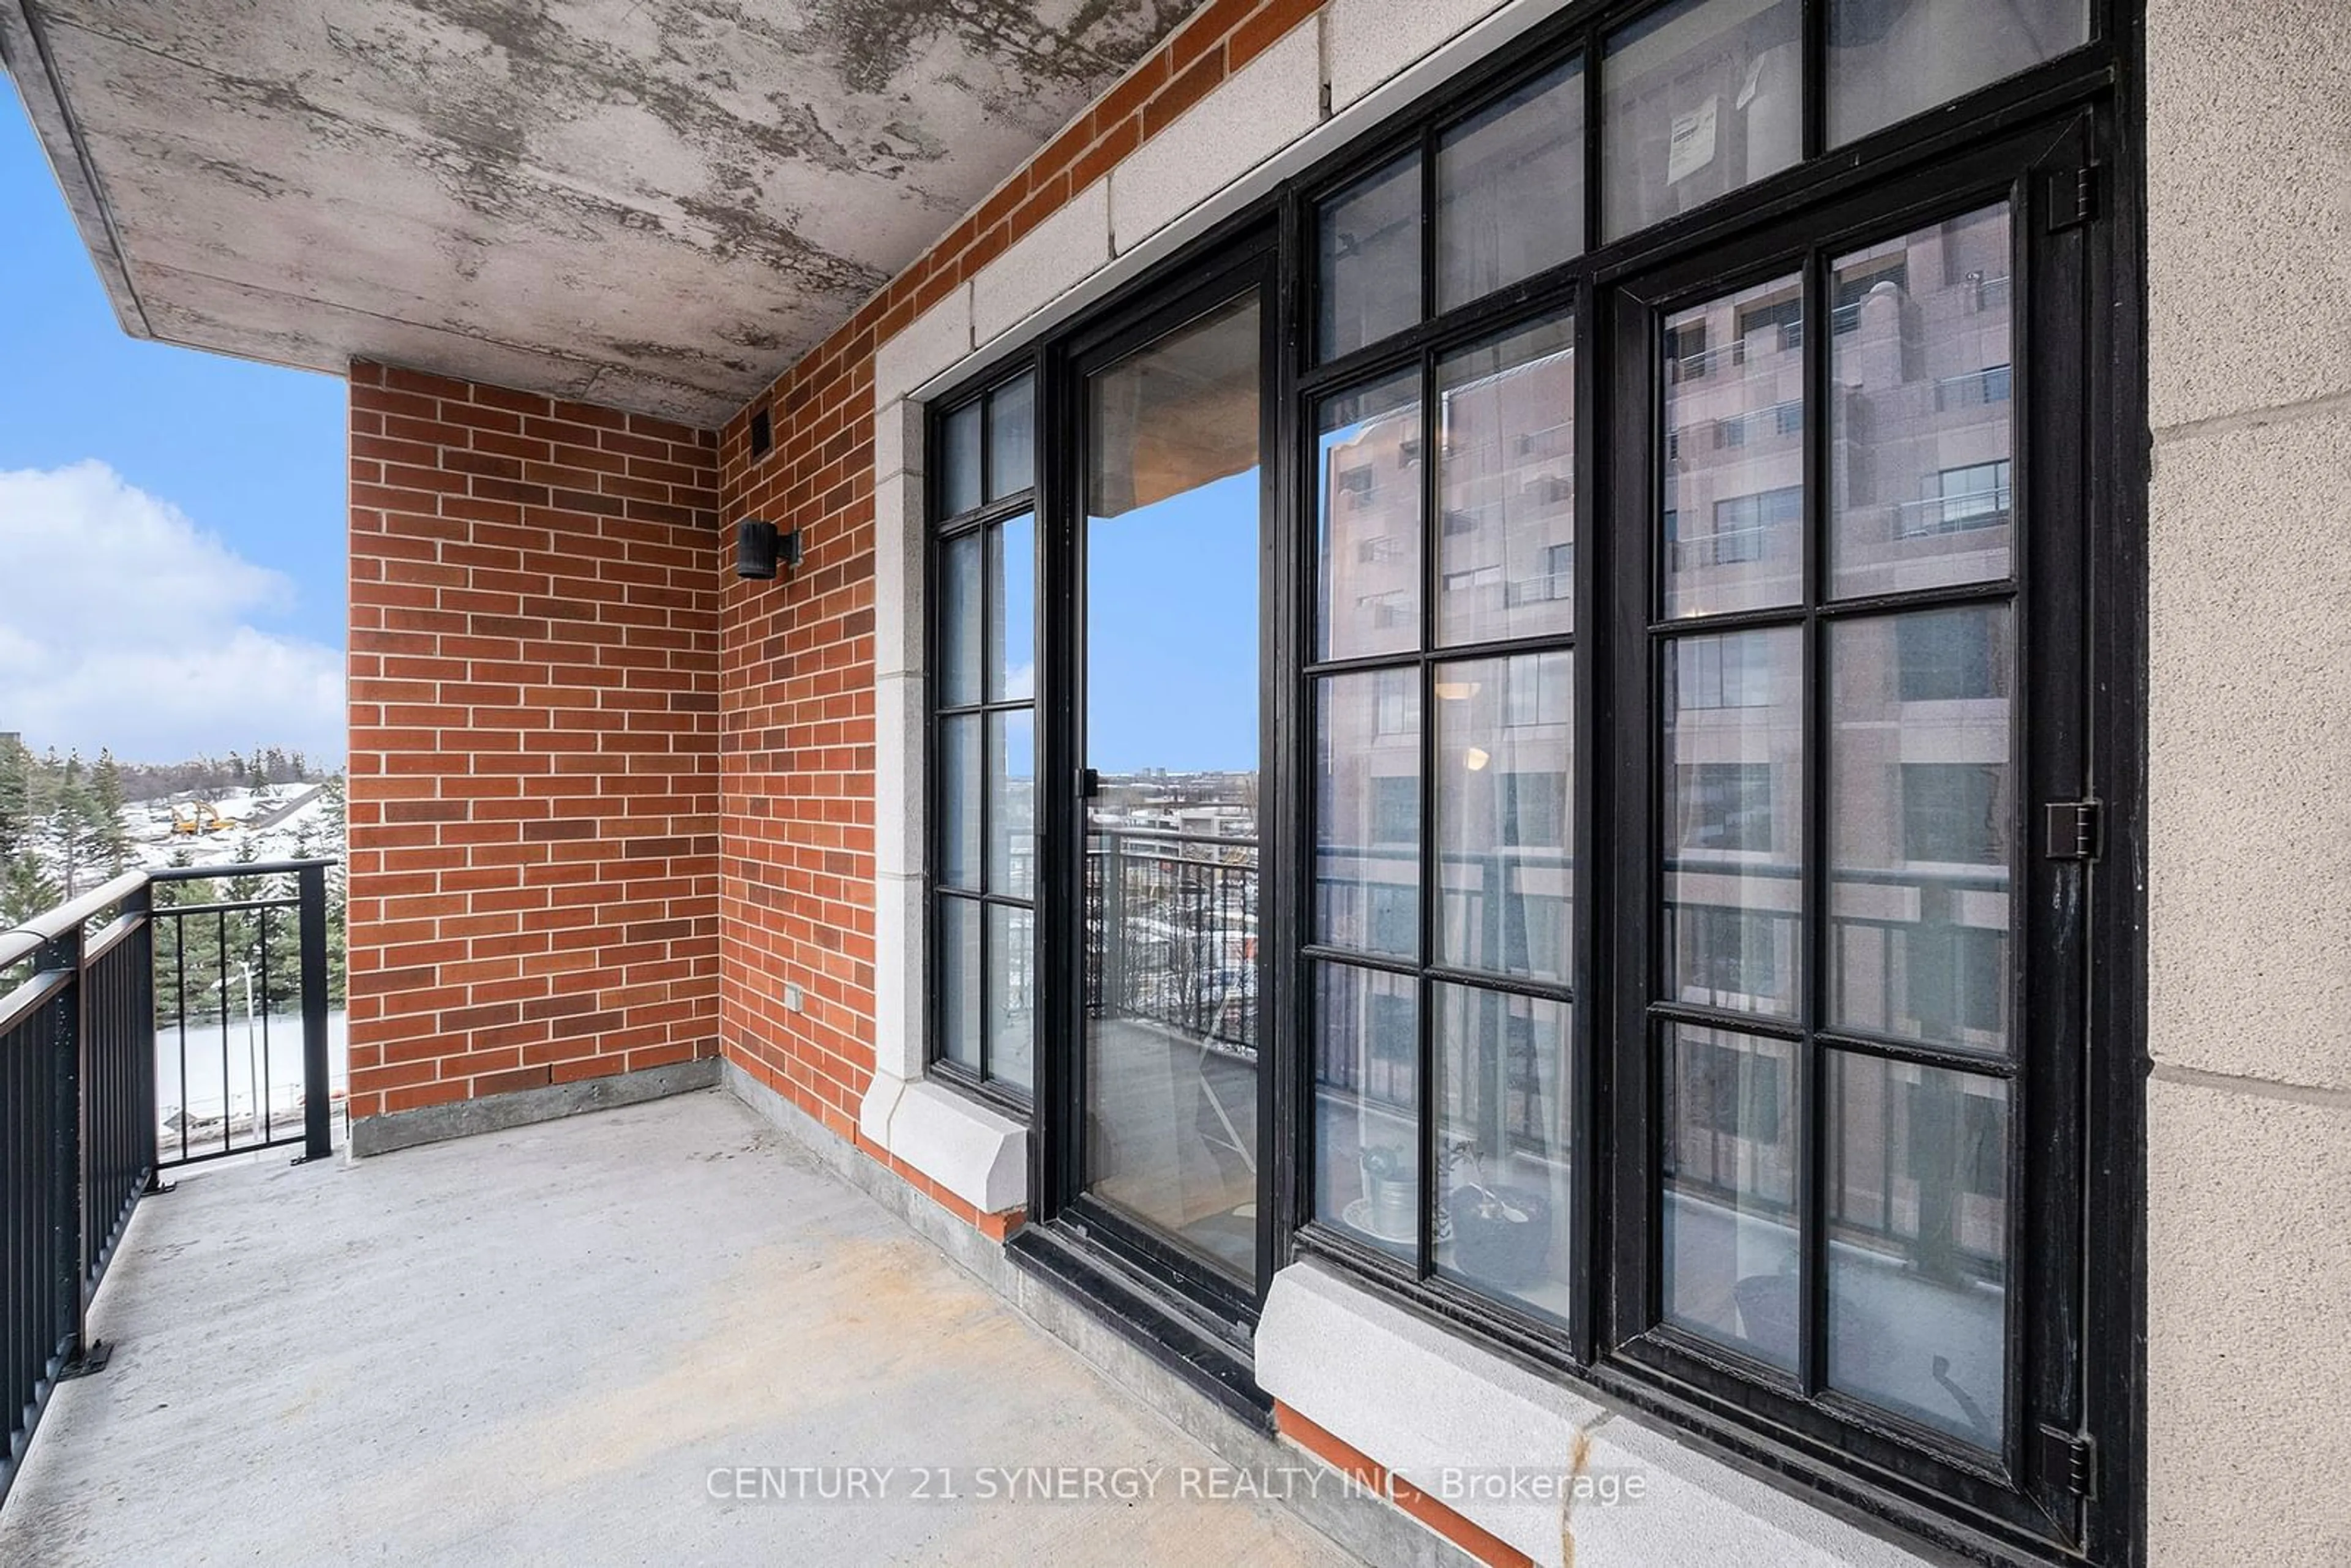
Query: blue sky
188, 595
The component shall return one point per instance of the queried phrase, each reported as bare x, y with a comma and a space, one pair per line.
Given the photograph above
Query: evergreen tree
106, 800
17, 812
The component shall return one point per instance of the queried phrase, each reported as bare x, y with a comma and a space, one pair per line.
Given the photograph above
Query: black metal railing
80, 1126
232, 972
1171, 932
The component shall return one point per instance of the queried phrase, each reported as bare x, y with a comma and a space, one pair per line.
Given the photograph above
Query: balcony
663, 1332
510, 1348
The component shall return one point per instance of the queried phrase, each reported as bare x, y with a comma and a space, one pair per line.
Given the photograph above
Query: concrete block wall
534, 734
2249, 875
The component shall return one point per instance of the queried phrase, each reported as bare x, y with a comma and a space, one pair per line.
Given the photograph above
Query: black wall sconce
759, 548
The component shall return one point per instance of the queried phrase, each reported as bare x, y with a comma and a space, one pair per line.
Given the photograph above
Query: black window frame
939, 529
2062, 138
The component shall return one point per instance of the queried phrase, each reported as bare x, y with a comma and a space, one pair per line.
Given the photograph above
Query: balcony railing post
318, 1140
140, 1019
63, 955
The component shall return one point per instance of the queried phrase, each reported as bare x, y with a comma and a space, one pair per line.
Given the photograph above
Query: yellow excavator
193, 821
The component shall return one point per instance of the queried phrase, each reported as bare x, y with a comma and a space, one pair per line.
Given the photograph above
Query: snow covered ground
279, 822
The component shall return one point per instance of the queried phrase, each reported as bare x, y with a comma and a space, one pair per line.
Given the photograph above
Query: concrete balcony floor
535, 1347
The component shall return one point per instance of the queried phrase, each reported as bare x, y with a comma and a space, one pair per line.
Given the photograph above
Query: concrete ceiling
653, 205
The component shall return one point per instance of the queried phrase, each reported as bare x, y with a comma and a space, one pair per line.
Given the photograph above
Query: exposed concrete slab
521, 1107
666, 200
536, 1347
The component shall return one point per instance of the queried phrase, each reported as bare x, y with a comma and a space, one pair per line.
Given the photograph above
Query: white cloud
122, 624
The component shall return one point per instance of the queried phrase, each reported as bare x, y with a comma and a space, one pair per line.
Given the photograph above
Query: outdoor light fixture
758, 547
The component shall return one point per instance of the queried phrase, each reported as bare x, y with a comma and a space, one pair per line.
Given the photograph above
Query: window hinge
2068, 1460
2073, 828
2072, 197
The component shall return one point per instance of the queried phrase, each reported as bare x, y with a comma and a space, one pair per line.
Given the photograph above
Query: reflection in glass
959, 981
959, 628
1367, 1105
959, 801
1730, 1179
1367, 813
1012, 804
1889, 59
1368, 236
1174, 533
1012, 609
1506, 485
1702, 98
1368, 504
1733, 504
959, 450
1011, 994
1922, 825
1734, 780
1012, 438
1510, 188
1923, 410
1917, 1273
1506, 1145
1505, 788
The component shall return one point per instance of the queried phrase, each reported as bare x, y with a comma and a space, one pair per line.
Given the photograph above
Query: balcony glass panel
959, 459
1922, 836
1368, 242
1702, 98
1506, 487
1510, 188
1505, 801
1012, 804
1367, 813
1729, 1201
1012, 438
1922, 412
959, 797
1732, 521
1367, 1105
1918, 1242
1734, 820
1506, 1144
1889, 59
1012, 609
1369, 505
1011, 994
959, 621
958, 999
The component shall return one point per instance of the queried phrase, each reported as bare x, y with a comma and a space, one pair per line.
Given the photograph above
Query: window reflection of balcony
1917, 952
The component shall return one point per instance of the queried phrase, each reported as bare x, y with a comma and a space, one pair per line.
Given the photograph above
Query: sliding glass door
1171, 533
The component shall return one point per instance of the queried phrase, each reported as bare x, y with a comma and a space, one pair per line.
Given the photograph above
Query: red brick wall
534, 738
796, 780
797, 662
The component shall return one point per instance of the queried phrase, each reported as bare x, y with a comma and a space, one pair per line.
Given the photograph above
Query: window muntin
983, 773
